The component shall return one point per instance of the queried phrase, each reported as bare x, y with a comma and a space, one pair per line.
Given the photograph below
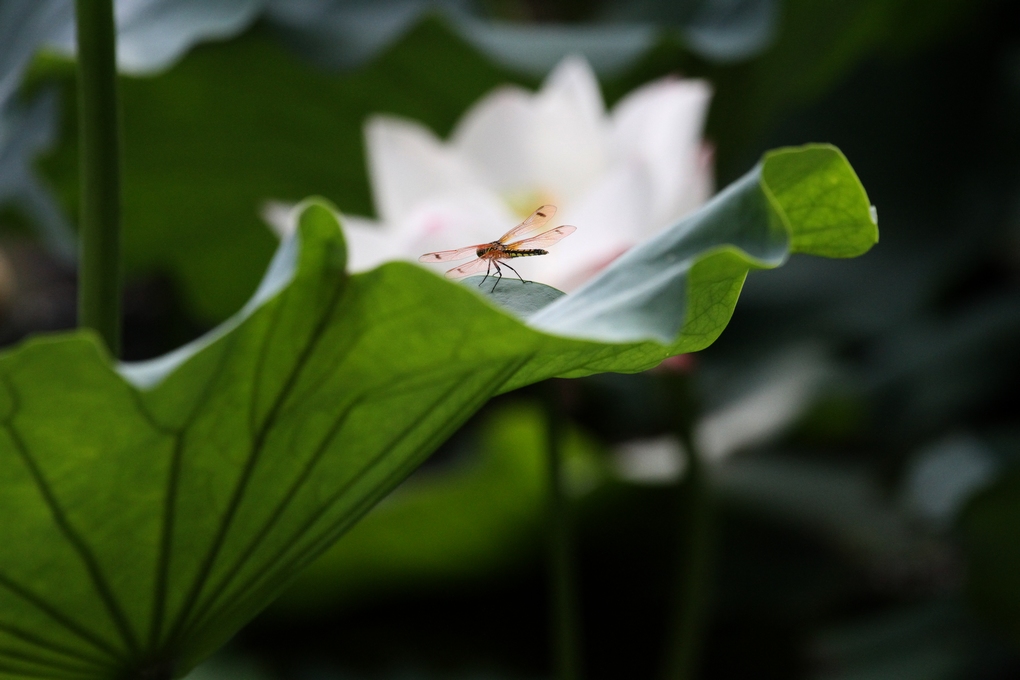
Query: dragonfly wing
473, 267
533, 223
543, 240
450, 255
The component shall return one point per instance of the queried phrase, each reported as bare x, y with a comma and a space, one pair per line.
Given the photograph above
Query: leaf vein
202, 577
170, 501
331, 534
79, 544
34, 639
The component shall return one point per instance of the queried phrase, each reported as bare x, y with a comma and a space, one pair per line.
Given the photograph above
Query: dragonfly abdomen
525, 252
498, 251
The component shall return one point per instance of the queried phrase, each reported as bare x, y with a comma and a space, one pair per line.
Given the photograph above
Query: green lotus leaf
151, 509
464, 520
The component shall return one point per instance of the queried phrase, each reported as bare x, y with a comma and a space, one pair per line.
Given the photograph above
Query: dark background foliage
919, 340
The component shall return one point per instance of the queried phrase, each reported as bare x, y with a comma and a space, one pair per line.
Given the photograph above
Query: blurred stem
566, 643
697, 546
158, 672
99, 263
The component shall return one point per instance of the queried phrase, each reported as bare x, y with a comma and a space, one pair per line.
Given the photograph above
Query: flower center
524, 201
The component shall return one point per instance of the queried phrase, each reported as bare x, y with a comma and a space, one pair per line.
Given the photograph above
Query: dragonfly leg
487, 270
515, 272
498, 276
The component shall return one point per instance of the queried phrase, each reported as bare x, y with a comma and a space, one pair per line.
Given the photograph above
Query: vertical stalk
99, 263
160, 671
695, 565
565, 627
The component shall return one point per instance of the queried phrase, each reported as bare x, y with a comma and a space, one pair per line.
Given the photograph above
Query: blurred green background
862, 414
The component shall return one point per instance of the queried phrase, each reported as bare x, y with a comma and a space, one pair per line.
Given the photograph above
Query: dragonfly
493, 255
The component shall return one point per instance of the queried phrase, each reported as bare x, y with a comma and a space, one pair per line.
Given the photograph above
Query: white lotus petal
454, 220
408, 164
495, 136
618, 179
701, 186
552, 145
574, 81
570, 143
661, 123
610, 218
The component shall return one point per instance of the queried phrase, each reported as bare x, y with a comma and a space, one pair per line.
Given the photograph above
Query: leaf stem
697, 547
99, 265
565, 627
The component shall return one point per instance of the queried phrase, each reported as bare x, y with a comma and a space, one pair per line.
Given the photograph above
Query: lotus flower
619, 176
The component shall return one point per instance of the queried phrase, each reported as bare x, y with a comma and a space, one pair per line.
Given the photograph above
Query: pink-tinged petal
680, 363
610, 218
407, 164
554, 141
701, 185
453, 220
661, 124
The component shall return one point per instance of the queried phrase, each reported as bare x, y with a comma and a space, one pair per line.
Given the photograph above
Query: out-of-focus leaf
237, 123
769, 401
719, 30
537, 48
944, 475
146, 537
153, 34
729, 31
989, 525
228, 667
24, 25
345, 34
846, 506
25, 130
930, 641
